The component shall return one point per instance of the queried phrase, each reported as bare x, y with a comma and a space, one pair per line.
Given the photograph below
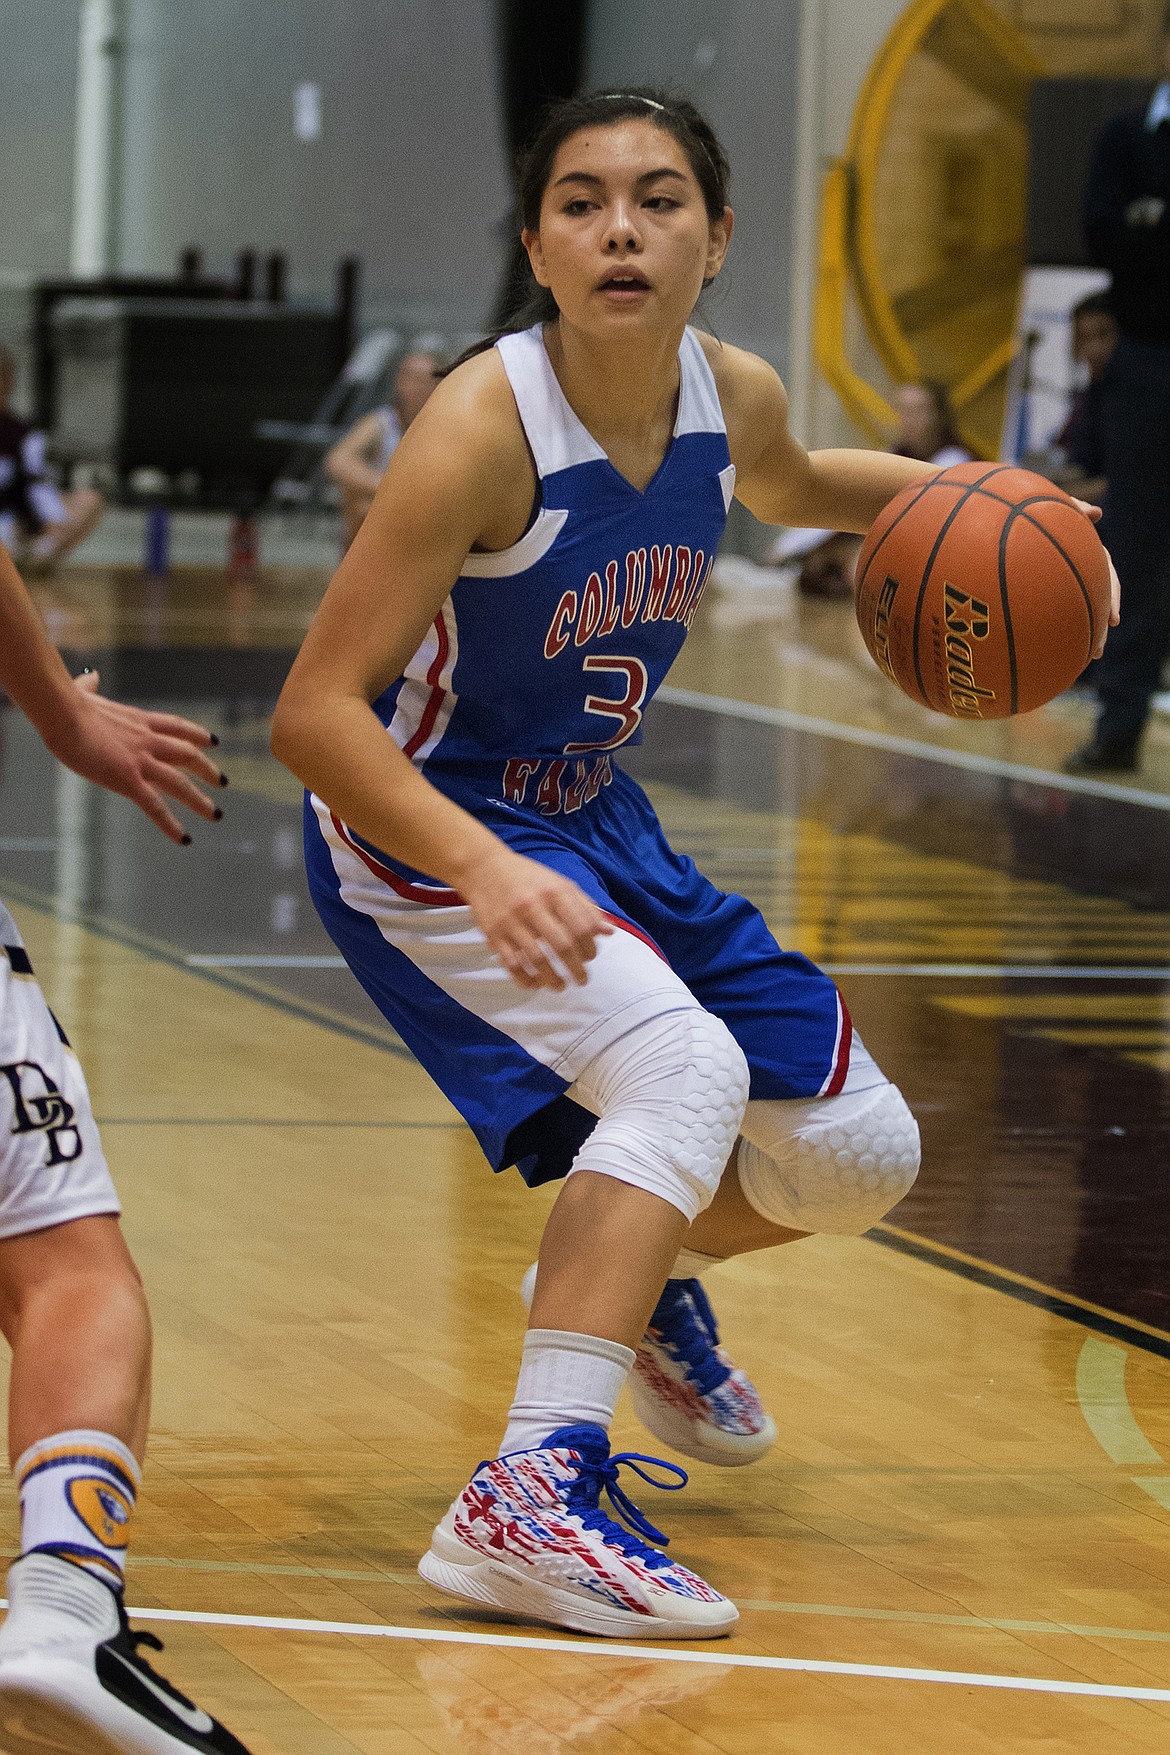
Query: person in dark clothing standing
1127, 224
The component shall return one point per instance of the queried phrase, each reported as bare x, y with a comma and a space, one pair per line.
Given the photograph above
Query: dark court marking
1040, 1297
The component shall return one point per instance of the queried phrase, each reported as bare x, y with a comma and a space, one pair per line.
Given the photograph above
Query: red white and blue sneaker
685, 1388
528, 1535
687, 1391
72, 1680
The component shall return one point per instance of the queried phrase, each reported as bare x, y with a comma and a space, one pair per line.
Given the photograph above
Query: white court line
644, 1653
909, 746
247, 961
992, 971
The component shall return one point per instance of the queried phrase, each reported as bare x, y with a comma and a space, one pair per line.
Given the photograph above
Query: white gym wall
407, 167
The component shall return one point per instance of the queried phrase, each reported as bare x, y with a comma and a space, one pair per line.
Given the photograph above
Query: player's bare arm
145, 757
776, 478
782, 483
460, 480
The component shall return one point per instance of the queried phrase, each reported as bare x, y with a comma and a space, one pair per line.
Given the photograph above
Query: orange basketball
981, 591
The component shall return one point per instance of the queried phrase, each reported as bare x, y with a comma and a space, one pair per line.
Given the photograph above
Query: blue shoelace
684, 1323
597, 1472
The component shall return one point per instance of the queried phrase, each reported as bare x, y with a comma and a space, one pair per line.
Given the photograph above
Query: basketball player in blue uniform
590, 1003
72, 1308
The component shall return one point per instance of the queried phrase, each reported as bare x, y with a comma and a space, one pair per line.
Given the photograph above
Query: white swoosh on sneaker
192, 1716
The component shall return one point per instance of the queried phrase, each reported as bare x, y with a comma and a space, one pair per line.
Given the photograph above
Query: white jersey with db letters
52, 1168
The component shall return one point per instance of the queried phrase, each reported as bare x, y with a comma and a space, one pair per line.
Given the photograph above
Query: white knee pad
671, 1094
834, 1164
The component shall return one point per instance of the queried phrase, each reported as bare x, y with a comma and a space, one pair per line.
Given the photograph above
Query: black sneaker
73, 1682
1099, 757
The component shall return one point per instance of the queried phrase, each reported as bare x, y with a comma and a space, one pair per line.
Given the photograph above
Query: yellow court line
1105, 1404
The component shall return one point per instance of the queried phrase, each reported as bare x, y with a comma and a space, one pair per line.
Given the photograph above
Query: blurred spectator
1079, 463
1127, 225
358, 462
1072, 457
38, 523
926, 425
828, 558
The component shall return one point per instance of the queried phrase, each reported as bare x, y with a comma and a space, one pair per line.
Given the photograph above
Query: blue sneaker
528, 1535
685, 1388
687, 1391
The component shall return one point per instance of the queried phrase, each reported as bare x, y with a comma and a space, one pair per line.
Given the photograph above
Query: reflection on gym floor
337, 1332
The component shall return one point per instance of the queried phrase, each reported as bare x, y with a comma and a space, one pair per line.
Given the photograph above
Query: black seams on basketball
981, 592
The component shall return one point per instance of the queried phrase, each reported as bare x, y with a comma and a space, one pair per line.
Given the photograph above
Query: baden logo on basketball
966, 615
967, 619
104, 1511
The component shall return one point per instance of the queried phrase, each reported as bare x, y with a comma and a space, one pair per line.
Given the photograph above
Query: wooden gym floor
961, 1542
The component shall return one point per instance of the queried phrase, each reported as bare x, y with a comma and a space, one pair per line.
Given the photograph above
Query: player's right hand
140, 755
542, 926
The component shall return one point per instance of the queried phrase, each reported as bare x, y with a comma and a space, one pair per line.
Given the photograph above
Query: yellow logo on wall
104, 1511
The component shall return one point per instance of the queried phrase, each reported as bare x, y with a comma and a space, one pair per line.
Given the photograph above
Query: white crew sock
565, 1379
692, 1266
77, 1493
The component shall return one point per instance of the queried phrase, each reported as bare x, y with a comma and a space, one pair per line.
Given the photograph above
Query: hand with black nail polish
147, 757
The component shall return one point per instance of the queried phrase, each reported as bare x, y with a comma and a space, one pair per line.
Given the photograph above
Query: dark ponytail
565, 117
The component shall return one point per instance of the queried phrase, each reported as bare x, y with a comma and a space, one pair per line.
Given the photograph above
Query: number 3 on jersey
628, 711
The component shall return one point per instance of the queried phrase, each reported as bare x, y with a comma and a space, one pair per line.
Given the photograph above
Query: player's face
625, 240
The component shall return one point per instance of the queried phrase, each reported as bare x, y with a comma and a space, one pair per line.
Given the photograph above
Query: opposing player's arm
777, 479
143, 756
461, 479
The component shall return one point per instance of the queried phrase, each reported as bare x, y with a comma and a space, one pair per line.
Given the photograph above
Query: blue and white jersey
538, 667
544, 656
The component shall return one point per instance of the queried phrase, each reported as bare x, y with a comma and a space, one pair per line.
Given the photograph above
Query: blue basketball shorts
506, 1056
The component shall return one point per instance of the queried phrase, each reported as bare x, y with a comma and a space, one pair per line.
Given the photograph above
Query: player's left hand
141, 755
1094, 514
